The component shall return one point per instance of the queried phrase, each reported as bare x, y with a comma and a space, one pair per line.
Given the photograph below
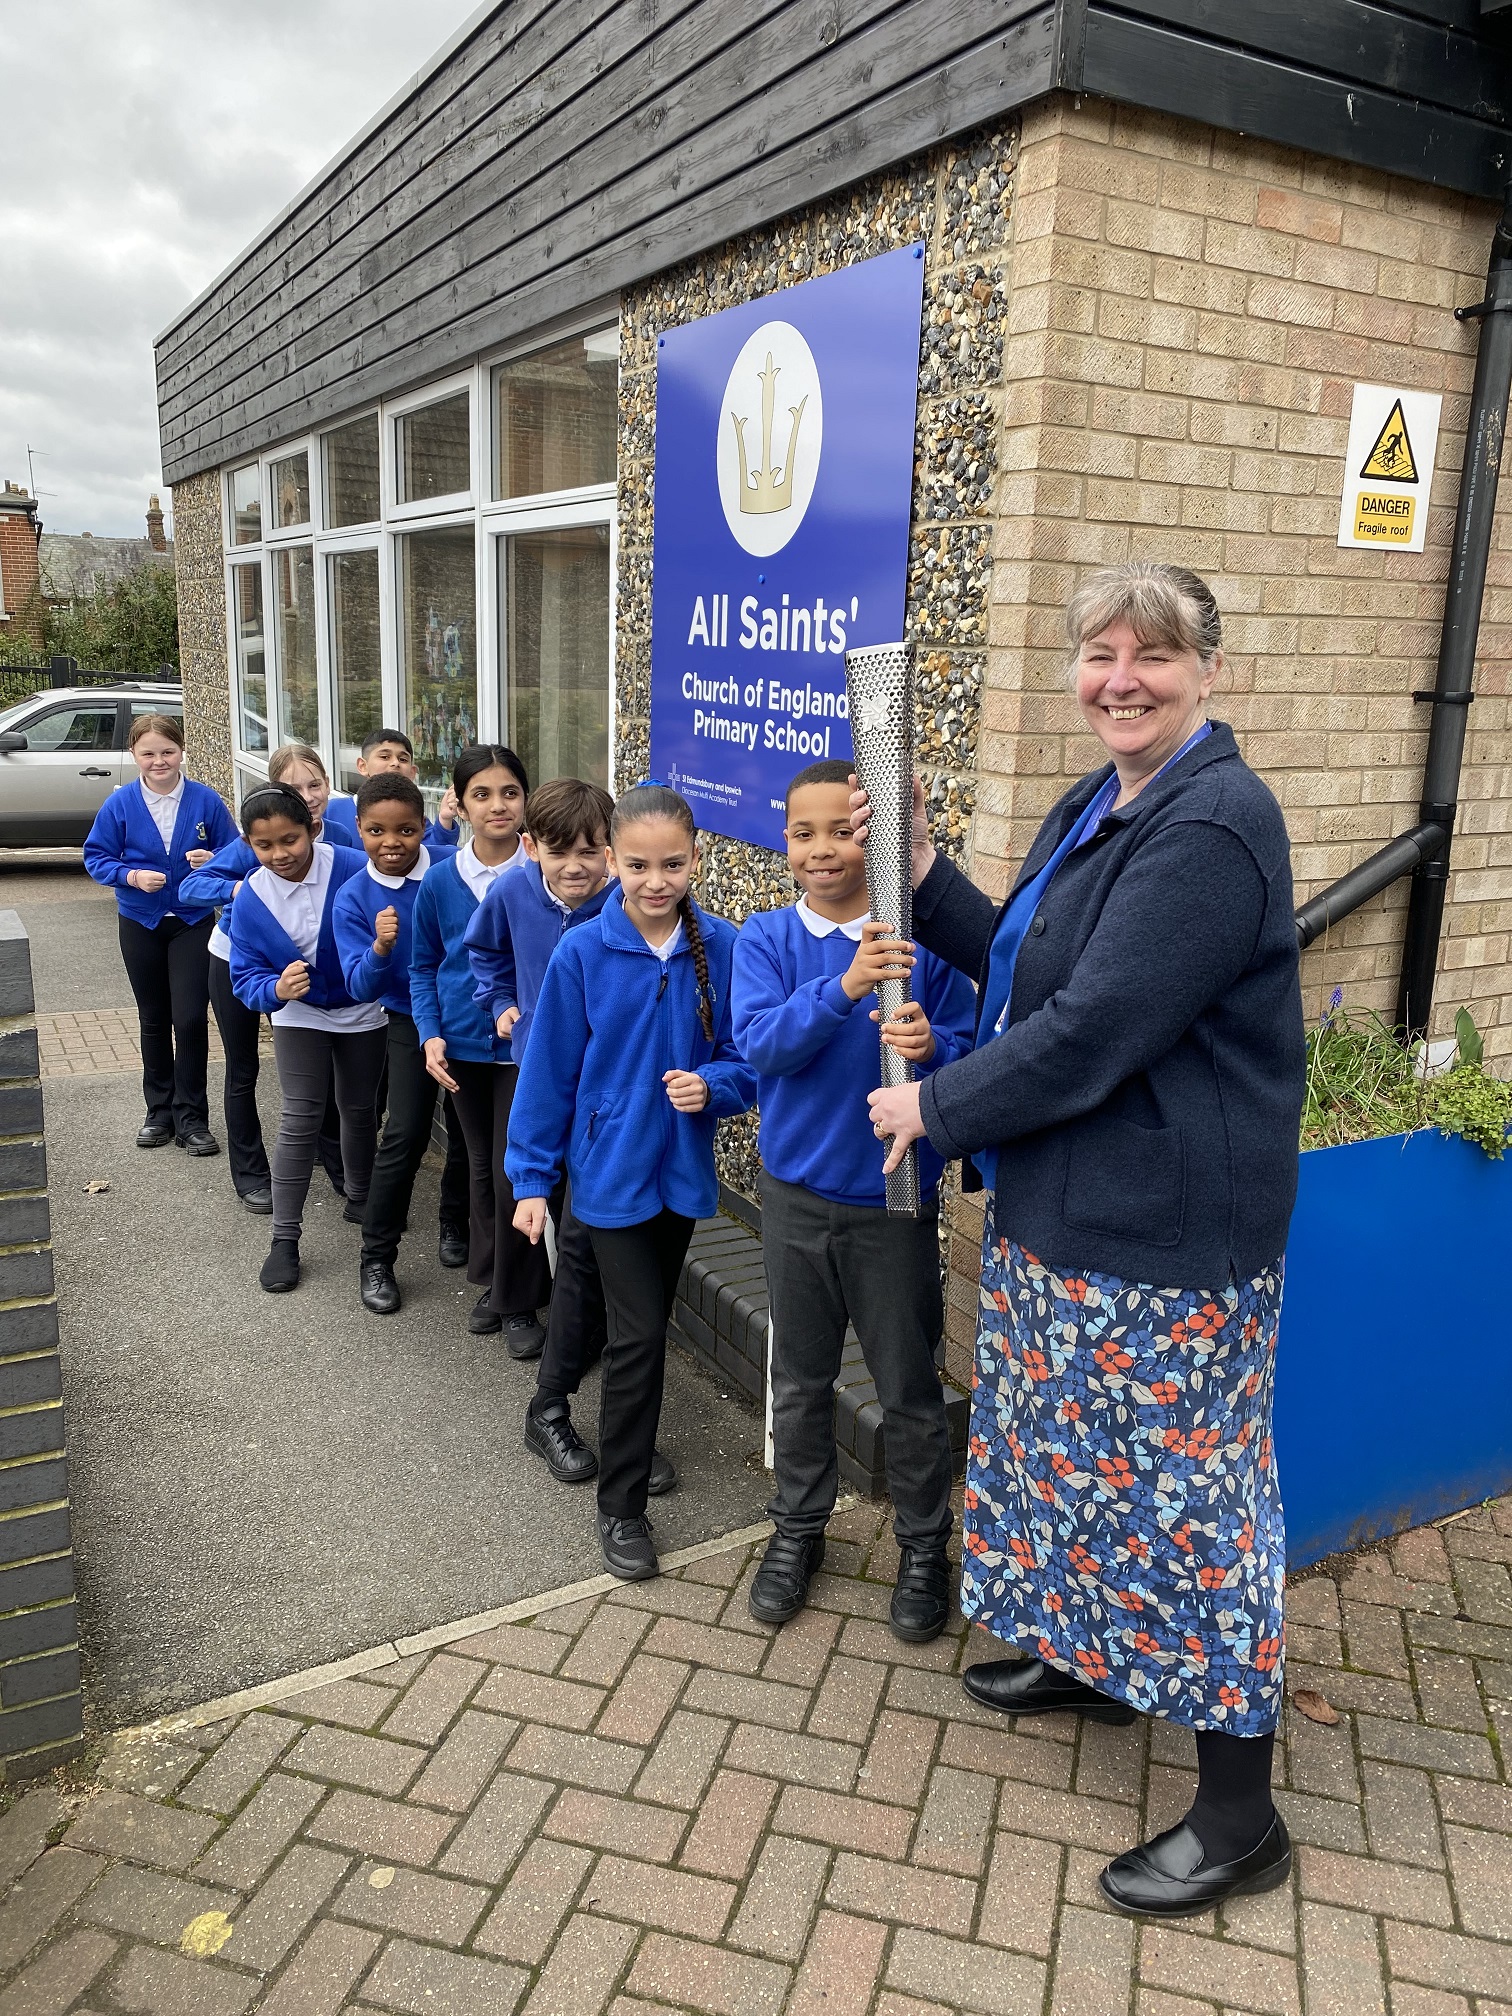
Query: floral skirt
1123, 1519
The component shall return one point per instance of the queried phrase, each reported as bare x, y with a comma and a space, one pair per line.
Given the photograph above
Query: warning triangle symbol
1391, 460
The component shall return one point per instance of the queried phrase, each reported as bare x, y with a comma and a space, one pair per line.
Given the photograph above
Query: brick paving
93, 1041
639, 1801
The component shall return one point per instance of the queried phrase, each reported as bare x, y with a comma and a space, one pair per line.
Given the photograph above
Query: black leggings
640, 1266
307, 1060
517, 1274
239, 1028
168, 966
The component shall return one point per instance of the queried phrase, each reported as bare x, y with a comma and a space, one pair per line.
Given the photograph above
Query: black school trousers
640, 1266
827, 1264
239, 1030
168, 966
516, 1274
575, 1325
406, 1136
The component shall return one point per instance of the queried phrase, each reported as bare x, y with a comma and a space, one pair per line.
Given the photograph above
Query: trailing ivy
1362, 1084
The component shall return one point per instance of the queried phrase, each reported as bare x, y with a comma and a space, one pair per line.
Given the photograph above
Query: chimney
155, 537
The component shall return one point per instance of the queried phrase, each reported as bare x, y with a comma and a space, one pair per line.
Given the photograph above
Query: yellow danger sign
1390, 459
1388, 468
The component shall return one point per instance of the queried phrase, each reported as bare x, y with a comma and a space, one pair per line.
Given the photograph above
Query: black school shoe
920, 1607
280, 1271
483, 1322
1030, 1687
258, 1202
781, 1587
627, 1548
553, 1438
352, 1212
378, 1288
663, 1476
153, 1137
1169, 1877
451, 1248
199, 1141
523, 1336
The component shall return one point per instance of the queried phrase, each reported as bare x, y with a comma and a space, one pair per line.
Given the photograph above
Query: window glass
438, 665
356, 657
556, 619
555, 414
246, 505
174, 709
251, 662
76, 727
433, 450
351, 473
298, 682
291, 489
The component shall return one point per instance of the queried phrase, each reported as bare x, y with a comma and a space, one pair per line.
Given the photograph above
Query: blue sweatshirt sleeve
950, 1003
106, 846
220, 828
490, 953
540, 1121
777, 1032
427, 952
216, 881
253, 981
730, 1079
365, 974
437, 835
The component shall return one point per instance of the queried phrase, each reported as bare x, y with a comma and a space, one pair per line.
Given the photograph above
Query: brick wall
19, 596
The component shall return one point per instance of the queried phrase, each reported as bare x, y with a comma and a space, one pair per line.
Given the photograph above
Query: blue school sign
784, 476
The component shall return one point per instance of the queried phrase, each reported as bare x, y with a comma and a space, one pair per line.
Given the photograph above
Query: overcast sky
146, 142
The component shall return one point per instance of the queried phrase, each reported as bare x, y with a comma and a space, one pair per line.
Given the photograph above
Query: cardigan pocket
1126, 1181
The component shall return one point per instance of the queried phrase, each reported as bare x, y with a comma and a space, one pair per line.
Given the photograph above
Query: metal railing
19, 682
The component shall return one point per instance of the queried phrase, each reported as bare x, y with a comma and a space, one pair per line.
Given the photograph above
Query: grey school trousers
306, 1060
826, 1263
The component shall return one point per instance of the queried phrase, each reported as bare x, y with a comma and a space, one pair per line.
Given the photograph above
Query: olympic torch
879, 685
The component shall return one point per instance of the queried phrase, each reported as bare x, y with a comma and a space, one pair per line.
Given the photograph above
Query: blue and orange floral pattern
1123, 1519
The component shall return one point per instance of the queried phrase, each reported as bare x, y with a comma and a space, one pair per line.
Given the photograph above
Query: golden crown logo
765, 489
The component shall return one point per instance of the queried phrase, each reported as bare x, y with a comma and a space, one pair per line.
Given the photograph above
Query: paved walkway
640, 1801
91, 1042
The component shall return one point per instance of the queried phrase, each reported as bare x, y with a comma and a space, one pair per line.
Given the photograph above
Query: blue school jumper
216, 881
261, 948
510, 941
610, 1020
369, 977
441, 979
124, 837
436, 835
817, 1054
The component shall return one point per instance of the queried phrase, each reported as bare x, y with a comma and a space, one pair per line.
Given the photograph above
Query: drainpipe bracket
1443, 699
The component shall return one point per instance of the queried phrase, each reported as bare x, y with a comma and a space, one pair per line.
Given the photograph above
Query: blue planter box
1394, 1365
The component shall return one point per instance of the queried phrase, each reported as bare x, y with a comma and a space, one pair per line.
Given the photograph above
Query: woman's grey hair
1161, 605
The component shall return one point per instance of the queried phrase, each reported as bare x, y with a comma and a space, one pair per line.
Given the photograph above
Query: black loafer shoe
258, 1202
280, 1271
553, 1438
1168, 1877
154, 1137
523, 1336
627, 1548
353, 1213
483, 1322
920, 1607
781, 1587
451, 1249
199, 1141
1030, 1687
663, 1476
378, 1288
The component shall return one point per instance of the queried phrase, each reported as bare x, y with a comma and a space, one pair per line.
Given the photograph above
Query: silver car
63, 753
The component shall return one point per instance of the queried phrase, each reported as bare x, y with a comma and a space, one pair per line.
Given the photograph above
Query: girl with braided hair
630, 1063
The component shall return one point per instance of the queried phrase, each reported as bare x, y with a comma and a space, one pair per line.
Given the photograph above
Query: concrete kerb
376, 1656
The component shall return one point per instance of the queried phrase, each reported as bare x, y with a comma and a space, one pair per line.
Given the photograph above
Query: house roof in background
73, 565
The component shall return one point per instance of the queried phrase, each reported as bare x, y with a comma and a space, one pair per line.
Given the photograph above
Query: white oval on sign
771, 431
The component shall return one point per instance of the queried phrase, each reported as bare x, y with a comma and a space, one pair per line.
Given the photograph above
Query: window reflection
438, 647
434, 451
357, 658
298, 680
555, 416
556, 608
251, 661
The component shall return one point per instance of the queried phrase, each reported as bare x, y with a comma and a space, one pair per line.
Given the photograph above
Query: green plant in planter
1362, 1084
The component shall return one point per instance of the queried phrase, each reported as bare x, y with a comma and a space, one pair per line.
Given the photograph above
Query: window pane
555, 414
73, 728
246, 505
298, 688
355, 651
351, 473
433, 450
556, 603
291, 489
251, 665
438, 647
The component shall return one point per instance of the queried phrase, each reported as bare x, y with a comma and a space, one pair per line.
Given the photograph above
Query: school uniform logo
770, 435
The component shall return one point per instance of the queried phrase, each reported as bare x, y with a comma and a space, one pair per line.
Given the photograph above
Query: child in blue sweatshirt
832, 1253
284, 964
391, 749
629, 1065
375, 936
463, 1052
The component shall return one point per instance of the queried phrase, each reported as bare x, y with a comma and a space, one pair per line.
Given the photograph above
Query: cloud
147, 142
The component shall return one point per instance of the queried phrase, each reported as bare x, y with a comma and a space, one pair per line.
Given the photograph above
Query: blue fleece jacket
610, 1020
124, 836
437, 836
369, 976
441, 978
261, 948
817, 1054
510, 941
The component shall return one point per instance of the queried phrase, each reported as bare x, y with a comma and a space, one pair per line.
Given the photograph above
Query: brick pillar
41, 1708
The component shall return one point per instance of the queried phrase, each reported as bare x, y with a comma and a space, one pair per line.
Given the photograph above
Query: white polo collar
416, 874
826, 927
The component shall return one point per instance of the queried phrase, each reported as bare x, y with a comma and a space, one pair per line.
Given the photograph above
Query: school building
411, 430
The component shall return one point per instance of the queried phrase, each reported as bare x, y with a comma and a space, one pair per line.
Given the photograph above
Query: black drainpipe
1453, 689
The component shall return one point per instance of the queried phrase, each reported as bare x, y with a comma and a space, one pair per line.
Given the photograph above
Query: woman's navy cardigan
1145, 1094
